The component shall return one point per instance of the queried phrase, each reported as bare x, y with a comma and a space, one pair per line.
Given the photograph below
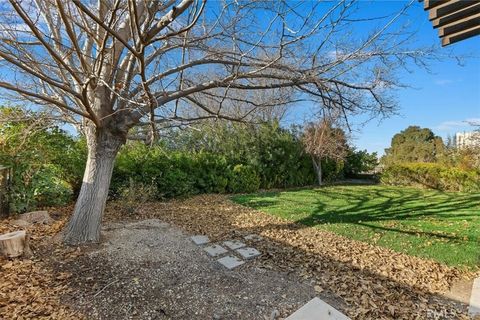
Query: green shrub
275, 153
332, 170
244, 179
432, 175
45, 187
174, 173
46, 163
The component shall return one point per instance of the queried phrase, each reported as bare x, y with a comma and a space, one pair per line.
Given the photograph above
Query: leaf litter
373, 282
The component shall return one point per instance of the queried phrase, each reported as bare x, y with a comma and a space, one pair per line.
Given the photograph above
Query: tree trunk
84, 225
318, 170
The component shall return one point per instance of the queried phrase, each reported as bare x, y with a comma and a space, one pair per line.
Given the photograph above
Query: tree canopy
414, 144
108, 66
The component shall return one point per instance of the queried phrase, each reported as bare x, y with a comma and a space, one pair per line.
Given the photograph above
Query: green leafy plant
432, 175
244, 180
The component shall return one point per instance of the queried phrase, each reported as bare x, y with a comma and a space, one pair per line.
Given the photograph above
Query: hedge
432, 175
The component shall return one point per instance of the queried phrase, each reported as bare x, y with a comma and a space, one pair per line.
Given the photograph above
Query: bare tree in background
109, 65
323, 140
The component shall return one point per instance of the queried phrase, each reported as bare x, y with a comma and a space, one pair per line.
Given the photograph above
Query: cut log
14, 244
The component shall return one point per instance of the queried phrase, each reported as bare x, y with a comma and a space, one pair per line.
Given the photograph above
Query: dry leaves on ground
29, 288
375, 283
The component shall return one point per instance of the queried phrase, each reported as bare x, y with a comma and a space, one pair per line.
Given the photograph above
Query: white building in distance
467, 139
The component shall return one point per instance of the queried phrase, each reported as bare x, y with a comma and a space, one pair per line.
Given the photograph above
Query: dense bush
432, 175
275, 153
174, 173
224, 157
216, 158
358, 162
244, 179
46, 163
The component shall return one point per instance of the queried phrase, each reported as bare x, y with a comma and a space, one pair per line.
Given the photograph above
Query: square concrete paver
215, 250
234, 244
317, 309
230, 262
199, 240
474, 308
248, 253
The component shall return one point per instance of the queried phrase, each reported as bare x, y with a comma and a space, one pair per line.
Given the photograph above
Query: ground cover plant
426, 223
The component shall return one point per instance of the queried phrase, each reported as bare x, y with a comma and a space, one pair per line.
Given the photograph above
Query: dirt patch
152, 270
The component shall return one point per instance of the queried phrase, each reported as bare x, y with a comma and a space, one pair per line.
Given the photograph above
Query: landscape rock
36, 217
20, 223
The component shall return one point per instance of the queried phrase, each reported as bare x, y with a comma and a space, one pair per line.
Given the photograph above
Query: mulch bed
373, 282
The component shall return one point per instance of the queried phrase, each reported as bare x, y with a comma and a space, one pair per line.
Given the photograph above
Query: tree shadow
376, 206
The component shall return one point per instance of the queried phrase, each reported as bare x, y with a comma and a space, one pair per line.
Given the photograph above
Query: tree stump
14, 244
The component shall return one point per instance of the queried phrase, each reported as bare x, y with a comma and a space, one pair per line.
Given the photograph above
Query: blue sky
441, 99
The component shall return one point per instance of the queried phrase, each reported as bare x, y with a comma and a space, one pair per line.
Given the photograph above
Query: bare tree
323, 140
109, 65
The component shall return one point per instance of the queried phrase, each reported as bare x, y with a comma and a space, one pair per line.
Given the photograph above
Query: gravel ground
151, 270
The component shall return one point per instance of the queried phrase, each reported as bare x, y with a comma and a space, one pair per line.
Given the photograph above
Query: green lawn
426, 223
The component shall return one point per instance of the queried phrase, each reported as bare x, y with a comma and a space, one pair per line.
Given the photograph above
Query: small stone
230, 262
253, 237
234, 244
274, 315
248, 253
215, 250
199, 239
318, 289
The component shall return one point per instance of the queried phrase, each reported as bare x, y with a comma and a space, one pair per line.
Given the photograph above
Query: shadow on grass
372, 206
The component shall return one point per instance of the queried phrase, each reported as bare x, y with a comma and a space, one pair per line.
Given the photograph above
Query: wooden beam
459, 25
462, 35
473, 9
449, 8
429, 4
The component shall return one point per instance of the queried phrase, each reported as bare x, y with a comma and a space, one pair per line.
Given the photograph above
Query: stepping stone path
234, 244
248, 253
198, 240
231, 262
236, 248
215, 250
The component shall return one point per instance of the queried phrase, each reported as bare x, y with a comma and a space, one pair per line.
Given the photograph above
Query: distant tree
322, 141
414, 144
358, 161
